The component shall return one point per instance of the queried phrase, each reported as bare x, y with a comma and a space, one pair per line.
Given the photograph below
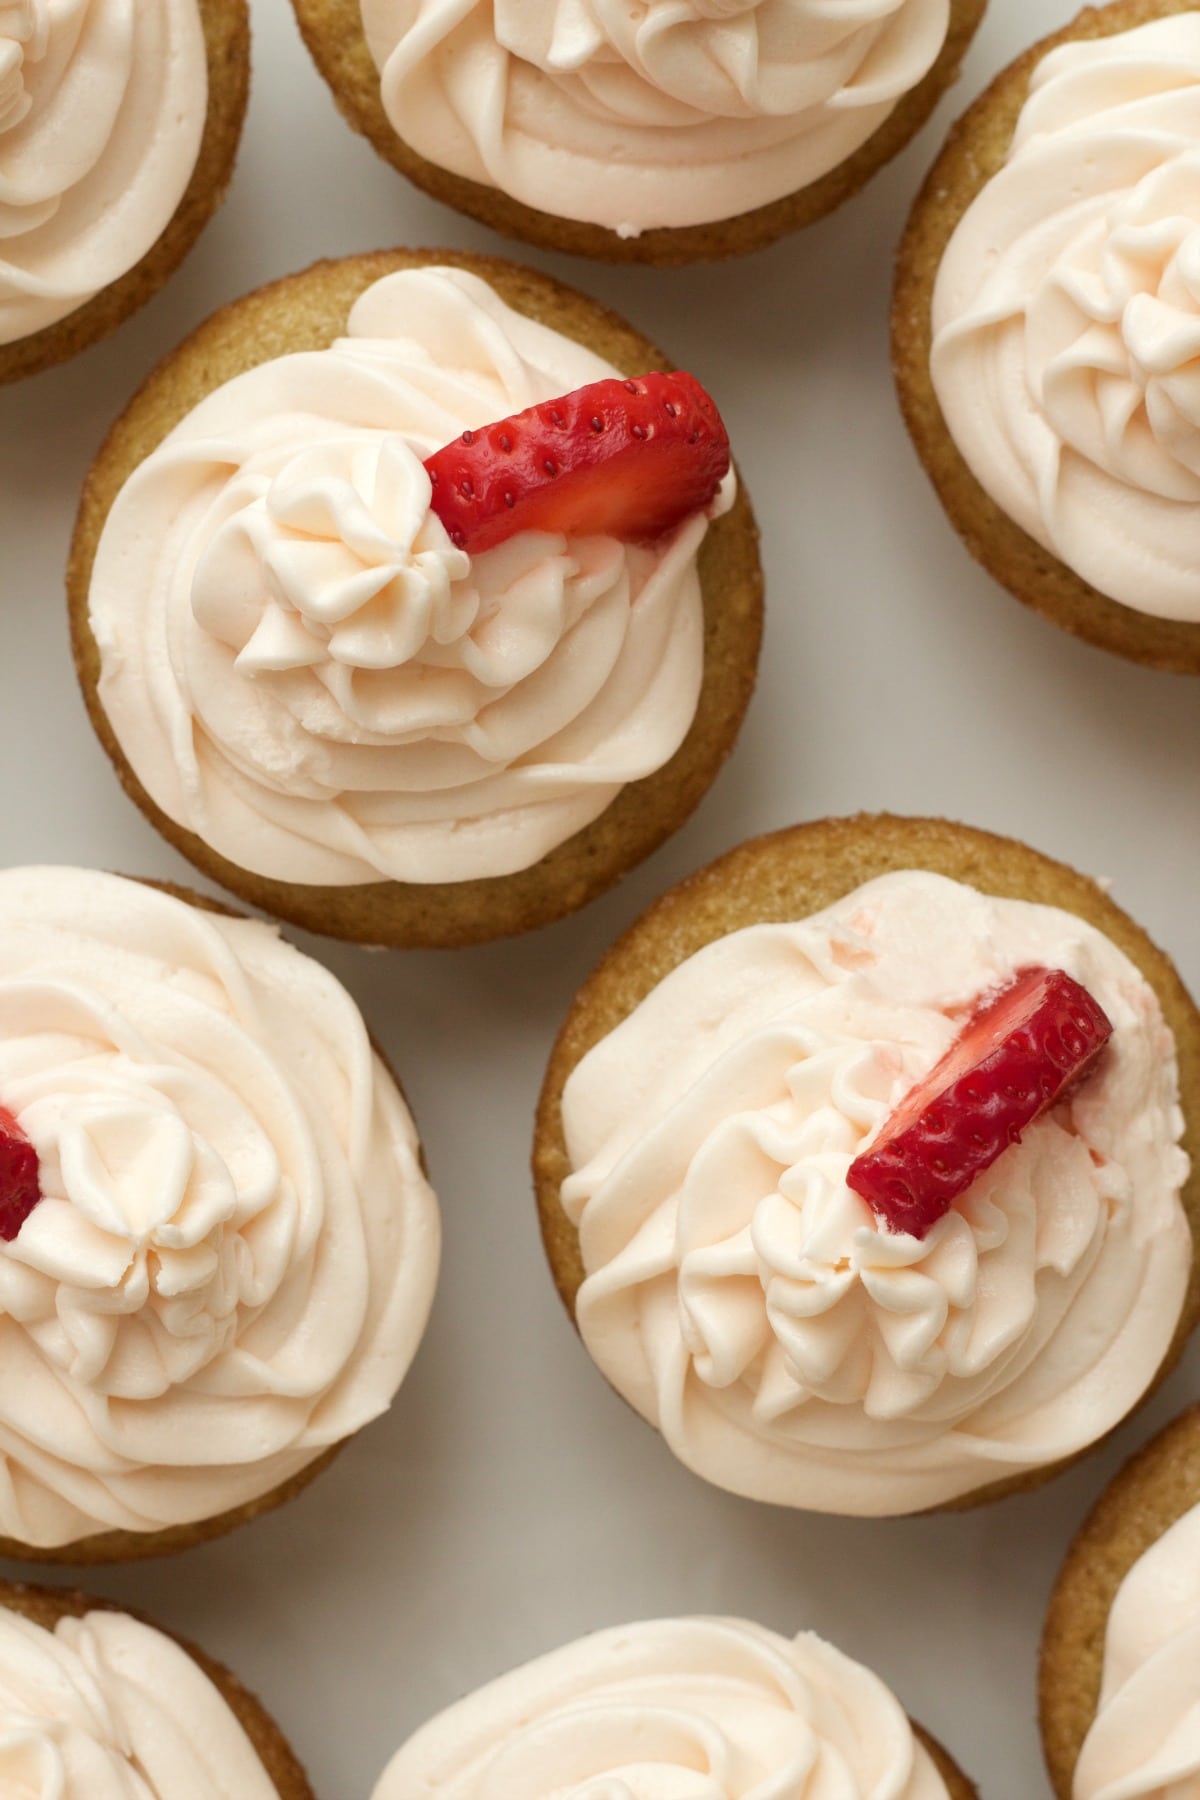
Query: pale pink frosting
639, 113
1066, 349
106, 1708
236, 1249
102, 110
1144, 1743
673, 1709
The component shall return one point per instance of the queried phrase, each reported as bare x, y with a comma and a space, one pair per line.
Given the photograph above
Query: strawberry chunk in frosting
302, 667
790, 1345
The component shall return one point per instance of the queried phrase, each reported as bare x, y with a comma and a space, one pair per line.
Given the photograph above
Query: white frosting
1144, 1743
673, 1709
301, 667
1066, 352
749, 1304
102, 109
640, 113
105, 1708
236, 1253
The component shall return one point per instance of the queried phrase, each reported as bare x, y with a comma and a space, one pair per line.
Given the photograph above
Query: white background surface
510, 1502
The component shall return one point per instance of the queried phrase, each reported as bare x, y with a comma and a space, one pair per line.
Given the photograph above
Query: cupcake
119, 126
218, 1247
675, 1706
1120, 1672
428, 631
859, 1167
662, 131
1045, 327
98, 1705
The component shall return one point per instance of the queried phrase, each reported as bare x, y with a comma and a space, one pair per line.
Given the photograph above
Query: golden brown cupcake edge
227, 40
975, 150
306, 312
333, 32
46, 1606
789, 875
139, 1546
1149, 1495
957, 1784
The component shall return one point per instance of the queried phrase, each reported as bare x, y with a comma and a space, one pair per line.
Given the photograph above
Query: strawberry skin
20, 1186
1018, 1054
623, 459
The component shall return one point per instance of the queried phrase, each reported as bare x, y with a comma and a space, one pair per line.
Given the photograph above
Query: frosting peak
301, 667
339, 560
1066, 352
743, 1298
715, 106
102, 109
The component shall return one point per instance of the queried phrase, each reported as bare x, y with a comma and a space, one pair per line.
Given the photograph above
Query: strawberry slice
1017, 1056
20, 1185
627, 459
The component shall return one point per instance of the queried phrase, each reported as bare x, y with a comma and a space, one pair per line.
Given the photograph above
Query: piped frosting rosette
650, 113
673, 1709
786, 1342
1145, 1741
235, 1253
106, 1708
102, 110
301, 667
1066, 317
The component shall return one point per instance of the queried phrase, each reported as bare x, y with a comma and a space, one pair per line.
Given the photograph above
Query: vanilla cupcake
98, 1705
1120, 1672
1046, 323
824, 1215
119, 125
718, 1706
218, 1247
663, 131
367, 715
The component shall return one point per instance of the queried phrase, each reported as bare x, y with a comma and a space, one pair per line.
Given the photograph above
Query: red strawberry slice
627, 459
1016, 1057
20, 1186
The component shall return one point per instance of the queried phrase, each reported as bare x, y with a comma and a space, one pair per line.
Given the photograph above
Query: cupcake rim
1035, 576
1090, 1576
344, 48
644, 813
682, 917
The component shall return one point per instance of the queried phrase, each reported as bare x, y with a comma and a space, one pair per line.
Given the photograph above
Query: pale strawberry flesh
1018, 1055
624, 459
20, 1177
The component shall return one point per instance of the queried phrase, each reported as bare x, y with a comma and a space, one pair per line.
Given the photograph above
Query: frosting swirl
1066, 351
302, 668
236, 1252
102, 109
747, 1302
1144, 1743
106, 1708
673, 1709
640, 113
